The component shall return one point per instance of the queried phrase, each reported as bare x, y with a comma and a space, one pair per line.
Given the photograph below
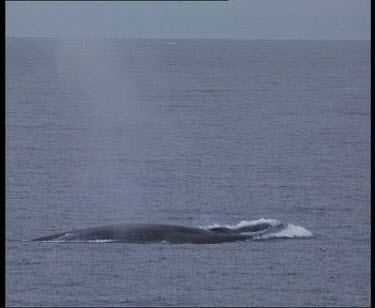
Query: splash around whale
159, 233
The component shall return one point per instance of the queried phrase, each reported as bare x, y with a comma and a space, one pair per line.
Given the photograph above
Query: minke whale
158, 233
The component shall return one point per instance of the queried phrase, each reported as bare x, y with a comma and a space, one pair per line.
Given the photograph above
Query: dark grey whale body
153, 233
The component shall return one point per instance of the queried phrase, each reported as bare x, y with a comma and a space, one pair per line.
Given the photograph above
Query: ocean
194, 133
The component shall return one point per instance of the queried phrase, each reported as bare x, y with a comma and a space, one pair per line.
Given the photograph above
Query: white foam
62, 240
247, 223
290, 231
280, 230
68, 235
101, 241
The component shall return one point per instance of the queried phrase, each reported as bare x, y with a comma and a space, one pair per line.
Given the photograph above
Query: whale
159, 233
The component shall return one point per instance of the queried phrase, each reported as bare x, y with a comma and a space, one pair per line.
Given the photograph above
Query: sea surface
193, 133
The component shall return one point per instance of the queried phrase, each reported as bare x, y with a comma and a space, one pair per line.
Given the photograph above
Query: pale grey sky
237, 19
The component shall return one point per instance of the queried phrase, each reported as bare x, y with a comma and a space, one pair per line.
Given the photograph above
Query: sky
234, 19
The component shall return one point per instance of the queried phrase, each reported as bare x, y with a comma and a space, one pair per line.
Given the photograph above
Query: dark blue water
196, 133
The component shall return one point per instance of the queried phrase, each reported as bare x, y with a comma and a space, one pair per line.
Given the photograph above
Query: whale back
145, 233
